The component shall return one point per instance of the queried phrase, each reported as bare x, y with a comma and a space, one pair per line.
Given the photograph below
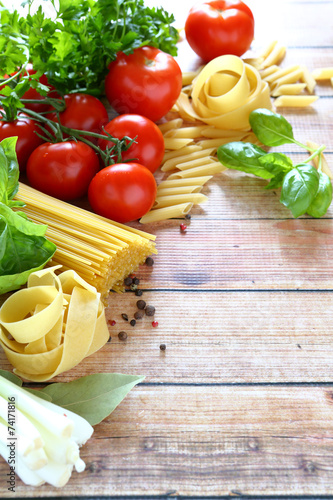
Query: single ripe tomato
148, 148
122, 192
27, 139
63, 170
219, 27
83, 112
146, 82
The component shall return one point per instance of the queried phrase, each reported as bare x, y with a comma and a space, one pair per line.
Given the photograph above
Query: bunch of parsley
75, 48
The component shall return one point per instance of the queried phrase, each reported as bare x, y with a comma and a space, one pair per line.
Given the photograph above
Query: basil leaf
276, 163
299, 188
323, 198
271, 128
276, 182
243, 156
93, 397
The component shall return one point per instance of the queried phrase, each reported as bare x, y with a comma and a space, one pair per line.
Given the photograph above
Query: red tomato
219, 27
148, 148
147, 82
83, 112
63, 170
27, 140
122, 192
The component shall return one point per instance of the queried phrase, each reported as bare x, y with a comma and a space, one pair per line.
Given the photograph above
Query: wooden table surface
241, 400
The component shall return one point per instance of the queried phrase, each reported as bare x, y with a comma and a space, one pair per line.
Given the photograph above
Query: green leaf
93, 397
243, 156
39, 393
299, 188
276, 182
271, 128
323, 198
276, 163
7, 150
11, 377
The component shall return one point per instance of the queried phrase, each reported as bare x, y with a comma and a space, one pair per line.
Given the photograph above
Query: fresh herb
304, 189
23, 246
92, 397
75, 48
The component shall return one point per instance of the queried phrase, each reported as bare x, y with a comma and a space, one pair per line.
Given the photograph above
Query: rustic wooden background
241, 401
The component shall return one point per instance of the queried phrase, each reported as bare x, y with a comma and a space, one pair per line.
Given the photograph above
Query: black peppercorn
128, 281
122, 335
141, 304
139, 315
125, 317
162, 347
136, 281
149, 261
132, 322
150, 310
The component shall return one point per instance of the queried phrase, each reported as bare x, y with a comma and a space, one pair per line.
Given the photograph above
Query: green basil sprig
304, 189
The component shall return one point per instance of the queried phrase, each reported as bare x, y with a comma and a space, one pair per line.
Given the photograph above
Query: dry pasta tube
177, 199
171, 163
323, 73
173, 212
209, 169
296, 101
289, 89
168, 155
190, 181
52, 325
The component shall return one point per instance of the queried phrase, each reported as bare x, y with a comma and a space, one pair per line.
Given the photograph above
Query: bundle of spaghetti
101, 251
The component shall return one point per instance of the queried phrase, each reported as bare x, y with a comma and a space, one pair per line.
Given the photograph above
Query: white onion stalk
46, 437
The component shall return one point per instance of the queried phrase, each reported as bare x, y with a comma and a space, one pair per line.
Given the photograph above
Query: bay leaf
93, 397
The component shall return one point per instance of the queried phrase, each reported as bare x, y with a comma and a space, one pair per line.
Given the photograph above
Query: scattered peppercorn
141, 304
150, 310
183, 227
188, 216
109, 339
139, 314
162, 347
132, 322
111, 322
155, 324
128, 281
138, 293
122, 335
133, 287
136, 281
125, 317
149, 261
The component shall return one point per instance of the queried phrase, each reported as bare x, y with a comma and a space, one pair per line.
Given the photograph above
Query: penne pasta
288, 89
184, 151
174, 143
297, 101
190, 181
280, 73
275, 56
209, 169
309, 80
194, 163
214, 133
176, 123
176, 199
186, 132
172, 162
292, 77
174, 212
264, 73
178, 190
322, 73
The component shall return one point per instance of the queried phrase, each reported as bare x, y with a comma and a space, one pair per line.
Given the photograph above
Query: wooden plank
219, 337
259, 441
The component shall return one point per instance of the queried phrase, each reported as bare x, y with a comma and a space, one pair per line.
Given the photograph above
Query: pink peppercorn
183, 227
155, 324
